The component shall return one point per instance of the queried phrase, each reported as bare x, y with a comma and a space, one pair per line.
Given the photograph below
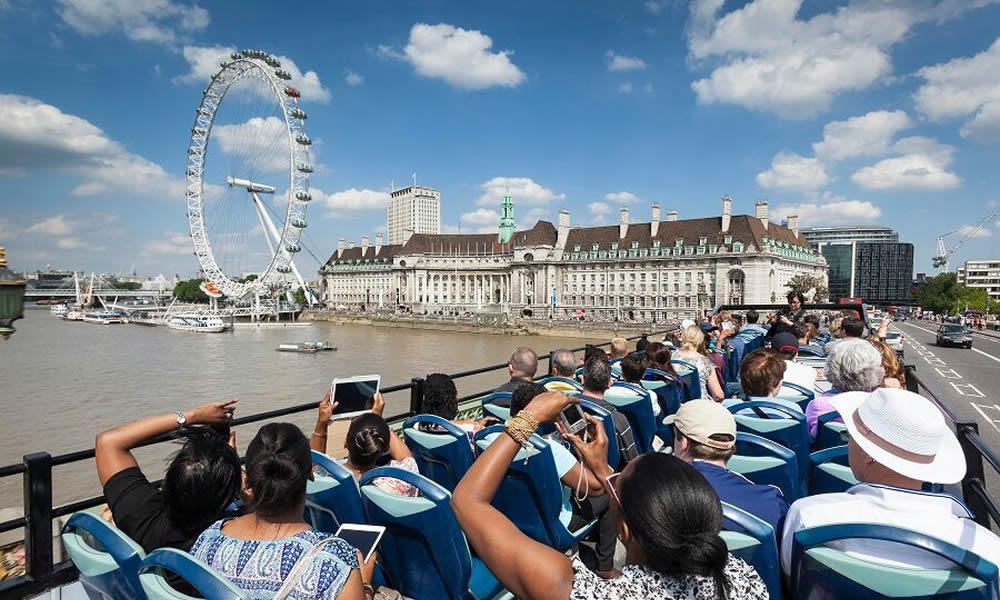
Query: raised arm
528, 569
714, 387
317, 441
114, 446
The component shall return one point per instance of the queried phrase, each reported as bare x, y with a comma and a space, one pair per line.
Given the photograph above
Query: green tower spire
506, 219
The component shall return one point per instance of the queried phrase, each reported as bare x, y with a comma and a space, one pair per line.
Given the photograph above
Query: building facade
413, 209
654, 270
846, 235
983, 274
883, 273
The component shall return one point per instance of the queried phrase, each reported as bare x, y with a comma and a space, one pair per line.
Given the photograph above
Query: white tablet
353, 395
363, 537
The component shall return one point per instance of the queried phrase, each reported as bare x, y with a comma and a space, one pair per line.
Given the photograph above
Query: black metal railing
976, 451
41, 573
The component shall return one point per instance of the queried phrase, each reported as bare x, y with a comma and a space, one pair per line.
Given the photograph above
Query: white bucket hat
904, 432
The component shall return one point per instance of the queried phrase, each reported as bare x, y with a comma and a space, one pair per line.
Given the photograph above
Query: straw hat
904, 432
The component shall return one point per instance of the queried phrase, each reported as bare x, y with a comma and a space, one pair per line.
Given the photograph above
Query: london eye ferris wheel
249, 135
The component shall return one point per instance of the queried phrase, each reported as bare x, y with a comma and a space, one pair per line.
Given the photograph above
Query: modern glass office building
866, 262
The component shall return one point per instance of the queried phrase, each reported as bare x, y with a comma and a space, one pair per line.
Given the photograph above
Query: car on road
895, 340
953, 334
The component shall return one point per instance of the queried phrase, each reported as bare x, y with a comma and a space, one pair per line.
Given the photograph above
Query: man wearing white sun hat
897, 440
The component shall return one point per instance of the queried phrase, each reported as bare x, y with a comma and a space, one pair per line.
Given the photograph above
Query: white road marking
935, 362
985, 354
948, 373
971, 390
979, 409
922, 329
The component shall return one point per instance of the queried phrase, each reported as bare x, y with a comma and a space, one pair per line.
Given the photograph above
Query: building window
702, 241
727, 240
576, 247
635, 244
678, 242
614, 245
738, 247
656, 243
595, 246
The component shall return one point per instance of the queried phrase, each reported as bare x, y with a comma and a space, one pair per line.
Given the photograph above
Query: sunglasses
610, 481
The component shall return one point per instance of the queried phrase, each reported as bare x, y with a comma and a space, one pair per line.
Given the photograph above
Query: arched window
736, 285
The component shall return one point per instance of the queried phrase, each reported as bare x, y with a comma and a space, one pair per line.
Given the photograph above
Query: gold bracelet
521, 428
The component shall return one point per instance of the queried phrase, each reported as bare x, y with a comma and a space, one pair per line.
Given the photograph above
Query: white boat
104, 317
59, 310
200, 323
73, 315
308, 347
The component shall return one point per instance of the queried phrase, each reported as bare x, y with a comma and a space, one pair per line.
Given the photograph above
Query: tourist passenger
852, 365
705, 436
787, 345
807, 332
658, 357
666, 515
441, 400
619, 348
563, 364
522, 366
895, 376
852, 327
752, 329
273, 536
692, 350
762, 373
788, 316
897, 440
202, 479
633, 368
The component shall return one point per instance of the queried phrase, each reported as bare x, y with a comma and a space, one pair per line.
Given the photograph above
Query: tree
941, 294
300, 296
188, 290
807, 284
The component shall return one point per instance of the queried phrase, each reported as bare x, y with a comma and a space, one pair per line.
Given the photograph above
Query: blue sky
883, 112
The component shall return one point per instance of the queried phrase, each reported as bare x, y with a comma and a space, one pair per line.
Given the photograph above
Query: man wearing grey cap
705, 436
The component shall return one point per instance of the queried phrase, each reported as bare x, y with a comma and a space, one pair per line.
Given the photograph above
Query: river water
63, 382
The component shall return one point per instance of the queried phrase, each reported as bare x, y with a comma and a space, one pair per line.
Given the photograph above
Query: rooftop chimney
562, 234
364, 245
563, 219
623, 224
350, 245
727, 212
654, 224
340, 247
793, 224
671, 216
378, 243
761, 212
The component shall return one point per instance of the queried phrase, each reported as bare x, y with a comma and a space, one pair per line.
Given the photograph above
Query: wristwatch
181, 419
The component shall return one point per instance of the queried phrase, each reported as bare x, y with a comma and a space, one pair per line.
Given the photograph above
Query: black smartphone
573, 418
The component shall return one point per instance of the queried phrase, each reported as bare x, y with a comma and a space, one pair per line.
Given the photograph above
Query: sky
841, 112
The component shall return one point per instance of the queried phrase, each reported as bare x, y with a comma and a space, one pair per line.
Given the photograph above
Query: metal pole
973, 471
416, 395
38, 513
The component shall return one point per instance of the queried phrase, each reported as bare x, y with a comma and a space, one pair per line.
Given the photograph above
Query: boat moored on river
104, 317
307, 347
198, 323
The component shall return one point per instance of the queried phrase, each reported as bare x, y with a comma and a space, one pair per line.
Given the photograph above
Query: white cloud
923, 165
203, 62
160, 21
267, 153
625, 88
353, 79
791, 171
653, 6
866, 135
459, 56
39, 136
57, 225
621, 197
967, 230
350, 201
70, 243
531, 217
481, 216
599, 208
964, 87
523, 190
171, 244
617, 62
764, 57
830, 210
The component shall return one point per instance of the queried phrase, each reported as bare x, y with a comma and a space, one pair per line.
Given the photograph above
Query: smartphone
363, 537
573, 418
353, 395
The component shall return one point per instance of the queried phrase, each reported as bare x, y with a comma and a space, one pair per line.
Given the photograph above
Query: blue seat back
531, 494
819, 571
107, 559
443, 455
491, 408
766, 462
332, 500
423, 549
737, 350
790, 430
689, 377
829, 471
633, 401
830, 431
209, 583
670, 394
614, 457
796, 393
560, 384
755, 543
755, 343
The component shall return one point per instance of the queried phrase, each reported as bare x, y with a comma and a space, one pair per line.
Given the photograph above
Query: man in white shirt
898, 440
787, 345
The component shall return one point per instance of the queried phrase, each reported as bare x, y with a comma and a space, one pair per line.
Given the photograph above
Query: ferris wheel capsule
283, 269
303, 139
300, 223
303, 196
297, 113
235, 56
292, 92
283, 74
293, 248
305, 167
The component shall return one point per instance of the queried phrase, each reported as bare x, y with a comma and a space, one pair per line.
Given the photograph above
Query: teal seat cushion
482, 584
894, 582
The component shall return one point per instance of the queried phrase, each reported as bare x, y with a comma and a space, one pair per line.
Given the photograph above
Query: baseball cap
687, 323
785, 341
699, 420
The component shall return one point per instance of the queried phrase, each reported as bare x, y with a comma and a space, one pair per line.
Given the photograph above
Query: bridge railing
35, 470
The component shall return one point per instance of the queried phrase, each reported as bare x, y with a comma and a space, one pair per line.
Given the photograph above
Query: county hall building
671, 268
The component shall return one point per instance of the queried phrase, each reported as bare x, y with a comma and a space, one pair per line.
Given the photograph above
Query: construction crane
944, 254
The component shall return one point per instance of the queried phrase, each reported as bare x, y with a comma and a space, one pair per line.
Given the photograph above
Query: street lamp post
11, 297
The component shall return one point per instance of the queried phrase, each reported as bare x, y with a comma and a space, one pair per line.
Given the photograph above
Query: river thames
66, 381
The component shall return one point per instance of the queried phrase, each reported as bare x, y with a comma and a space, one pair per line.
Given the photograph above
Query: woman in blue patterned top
260, 550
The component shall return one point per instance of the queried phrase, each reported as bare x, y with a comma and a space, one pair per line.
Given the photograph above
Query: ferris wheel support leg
271, 232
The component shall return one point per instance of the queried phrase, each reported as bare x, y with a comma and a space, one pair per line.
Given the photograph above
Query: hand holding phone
573, 419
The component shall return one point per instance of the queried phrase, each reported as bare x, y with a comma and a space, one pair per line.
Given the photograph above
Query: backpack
627, 449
